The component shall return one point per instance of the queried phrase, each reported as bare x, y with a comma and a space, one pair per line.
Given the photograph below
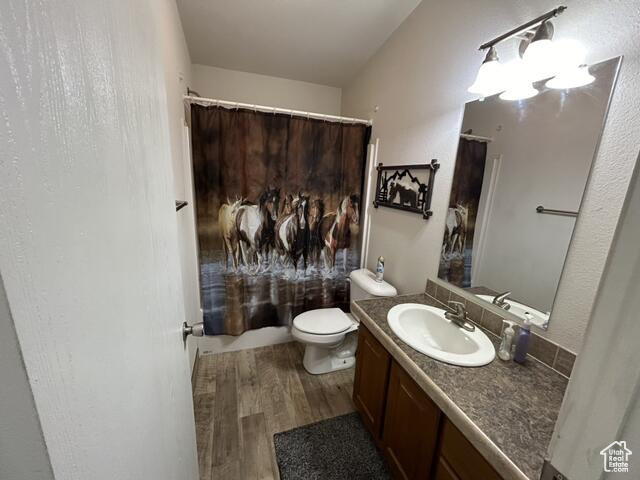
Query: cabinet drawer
462, 457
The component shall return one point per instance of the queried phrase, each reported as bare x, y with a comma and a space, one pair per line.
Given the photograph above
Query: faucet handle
500, 298
459, 307
459, 317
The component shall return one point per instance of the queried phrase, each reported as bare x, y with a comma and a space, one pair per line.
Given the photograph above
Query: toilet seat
323, 321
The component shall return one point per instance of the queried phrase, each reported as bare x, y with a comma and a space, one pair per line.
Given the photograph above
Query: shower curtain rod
480, 138
299, 113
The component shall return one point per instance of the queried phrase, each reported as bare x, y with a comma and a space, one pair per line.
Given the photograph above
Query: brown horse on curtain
336, 228
292, 232
287, 206
316, 212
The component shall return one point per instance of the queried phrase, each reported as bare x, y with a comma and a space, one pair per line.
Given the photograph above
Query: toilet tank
364, 285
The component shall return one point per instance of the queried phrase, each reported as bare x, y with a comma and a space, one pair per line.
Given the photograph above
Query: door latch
197, 330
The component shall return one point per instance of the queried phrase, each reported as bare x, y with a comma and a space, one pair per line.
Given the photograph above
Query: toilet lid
323, 321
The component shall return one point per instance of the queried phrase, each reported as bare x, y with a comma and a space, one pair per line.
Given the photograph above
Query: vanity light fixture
561, 62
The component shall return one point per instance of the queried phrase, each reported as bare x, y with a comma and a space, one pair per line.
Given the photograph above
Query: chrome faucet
500, 300
459, 316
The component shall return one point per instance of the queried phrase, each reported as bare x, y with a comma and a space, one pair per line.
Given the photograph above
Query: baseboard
250, 339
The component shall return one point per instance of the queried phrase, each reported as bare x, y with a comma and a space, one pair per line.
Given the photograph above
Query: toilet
329, 334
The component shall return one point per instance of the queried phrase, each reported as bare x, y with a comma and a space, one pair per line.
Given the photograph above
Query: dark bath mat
339, 448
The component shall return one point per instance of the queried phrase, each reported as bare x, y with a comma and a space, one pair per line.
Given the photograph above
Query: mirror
520, 173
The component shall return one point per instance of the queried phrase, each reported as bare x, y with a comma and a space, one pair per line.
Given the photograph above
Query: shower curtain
457, 244
278, 214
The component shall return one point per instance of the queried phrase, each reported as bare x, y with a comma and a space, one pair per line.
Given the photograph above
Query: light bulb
569, 53
540, 55
490, 78
541, 59
519, 92
572, 78
519, 85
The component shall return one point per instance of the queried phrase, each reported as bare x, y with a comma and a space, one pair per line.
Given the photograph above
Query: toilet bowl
329, 334
326, 335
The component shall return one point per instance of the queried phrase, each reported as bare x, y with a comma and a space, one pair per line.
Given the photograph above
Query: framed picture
406, 187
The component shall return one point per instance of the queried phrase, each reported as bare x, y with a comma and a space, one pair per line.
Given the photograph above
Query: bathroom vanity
439, 421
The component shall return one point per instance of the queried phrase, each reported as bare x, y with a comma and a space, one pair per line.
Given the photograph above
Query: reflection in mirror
514, 157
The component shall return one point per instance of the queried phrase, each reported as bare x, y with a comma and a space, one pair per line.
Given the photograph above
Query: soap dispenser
522, 344
380, 269
504, 352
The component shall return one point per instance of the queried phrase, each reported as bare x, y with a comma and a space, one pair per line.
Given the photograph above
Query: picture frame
406, 187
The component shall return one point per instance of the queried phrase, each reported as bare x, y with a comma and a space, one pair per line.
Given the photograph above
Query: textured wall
88, 244
235, 86
419, 80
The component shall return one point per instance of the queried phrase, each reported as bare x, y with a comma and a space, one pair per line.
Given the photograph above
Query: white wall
223, 84
547, 144
88, 244
23, 452
419, 80
177, 70
251, 88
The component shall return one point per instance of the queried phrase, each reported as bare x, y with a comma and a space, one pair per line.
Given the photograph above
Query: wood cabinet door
410, 427
457, 454
444, 471
370, 382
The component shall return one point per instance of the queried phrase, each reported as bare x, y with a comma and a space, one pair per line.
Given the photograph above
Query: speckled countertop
506, 410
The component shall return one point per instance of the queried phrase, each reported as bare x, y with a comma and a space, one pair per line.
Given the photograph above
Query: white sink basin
518, 309
426, 329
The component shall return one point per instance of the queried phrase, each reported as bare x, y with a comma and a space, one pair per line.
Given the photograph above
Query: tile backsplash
540, 348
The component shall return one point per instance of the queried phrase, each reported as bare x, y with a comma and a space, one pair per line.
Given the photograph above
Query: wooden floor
242, 398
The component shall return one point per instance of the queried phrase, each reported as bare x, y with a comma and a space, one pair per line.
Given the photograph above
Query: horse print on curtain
457, 243
278, 214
